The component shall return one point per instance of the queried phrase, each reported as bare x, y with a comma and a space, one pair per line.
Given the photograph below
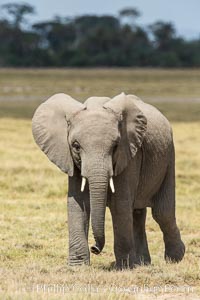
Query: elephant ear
50, 129
133, 126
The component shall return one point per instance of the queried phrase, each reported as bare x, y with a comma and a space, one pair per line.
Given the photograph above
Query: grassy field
33, 218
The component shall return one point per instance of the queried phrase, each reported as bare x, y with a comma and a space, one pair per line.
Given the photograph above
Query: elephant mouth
111, 184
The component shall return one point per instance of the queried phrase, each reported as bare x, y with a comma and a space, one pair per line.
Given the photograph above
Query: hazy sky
185, 14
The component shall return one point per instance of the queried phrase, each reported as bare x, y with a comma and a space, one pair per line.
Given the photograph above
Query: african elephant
118, 153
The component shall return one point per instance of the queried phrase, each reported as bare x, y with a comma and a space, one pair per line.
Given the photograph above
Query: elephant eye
115, 145
76, 146
116, 142
115, 148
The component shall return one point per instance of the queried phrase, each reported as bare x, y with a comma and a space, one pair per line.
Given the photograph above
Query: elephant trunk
98, 185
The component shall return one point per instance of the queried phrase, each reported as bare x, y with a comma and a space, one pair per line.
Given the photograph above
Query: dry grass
33, 223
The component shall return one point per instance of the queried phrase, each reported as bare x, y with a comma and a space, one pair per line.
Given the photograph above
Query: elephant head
99, 139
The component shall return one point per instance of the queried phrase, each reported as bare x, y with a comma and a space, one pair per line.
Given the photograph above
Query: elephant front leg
78, 225
124, 247
142, 251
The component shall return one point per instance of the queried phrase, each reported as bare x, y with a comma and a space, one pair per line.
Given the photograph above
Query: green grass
33, 219
22, 90
82, 83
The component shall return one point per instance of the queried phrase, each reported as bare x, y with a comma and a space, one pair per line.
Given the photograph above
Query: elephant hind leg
163, 212
141, 246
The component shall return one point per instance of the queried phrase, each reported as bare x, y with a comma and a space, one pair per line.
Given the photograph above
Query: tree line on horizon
91, 41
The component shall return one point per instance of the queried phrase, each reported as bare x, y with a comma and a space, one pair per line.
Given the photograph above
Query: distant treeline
91, 40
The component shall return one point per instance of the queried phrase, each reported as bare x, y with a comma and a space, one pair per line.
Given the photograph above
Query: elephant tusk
83, 184
112, 185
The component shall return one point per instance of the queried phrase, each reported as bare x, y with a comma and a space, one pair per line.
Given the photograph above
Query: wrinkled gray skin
128, 140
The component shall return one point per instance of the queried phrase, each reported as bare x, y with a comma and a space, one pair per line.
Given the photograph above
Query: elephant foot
142, 260
124, 263
174, 251
78, 261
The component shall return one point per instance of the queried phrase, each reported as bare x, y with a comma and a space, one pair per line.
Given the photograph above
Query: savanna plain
33, 210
